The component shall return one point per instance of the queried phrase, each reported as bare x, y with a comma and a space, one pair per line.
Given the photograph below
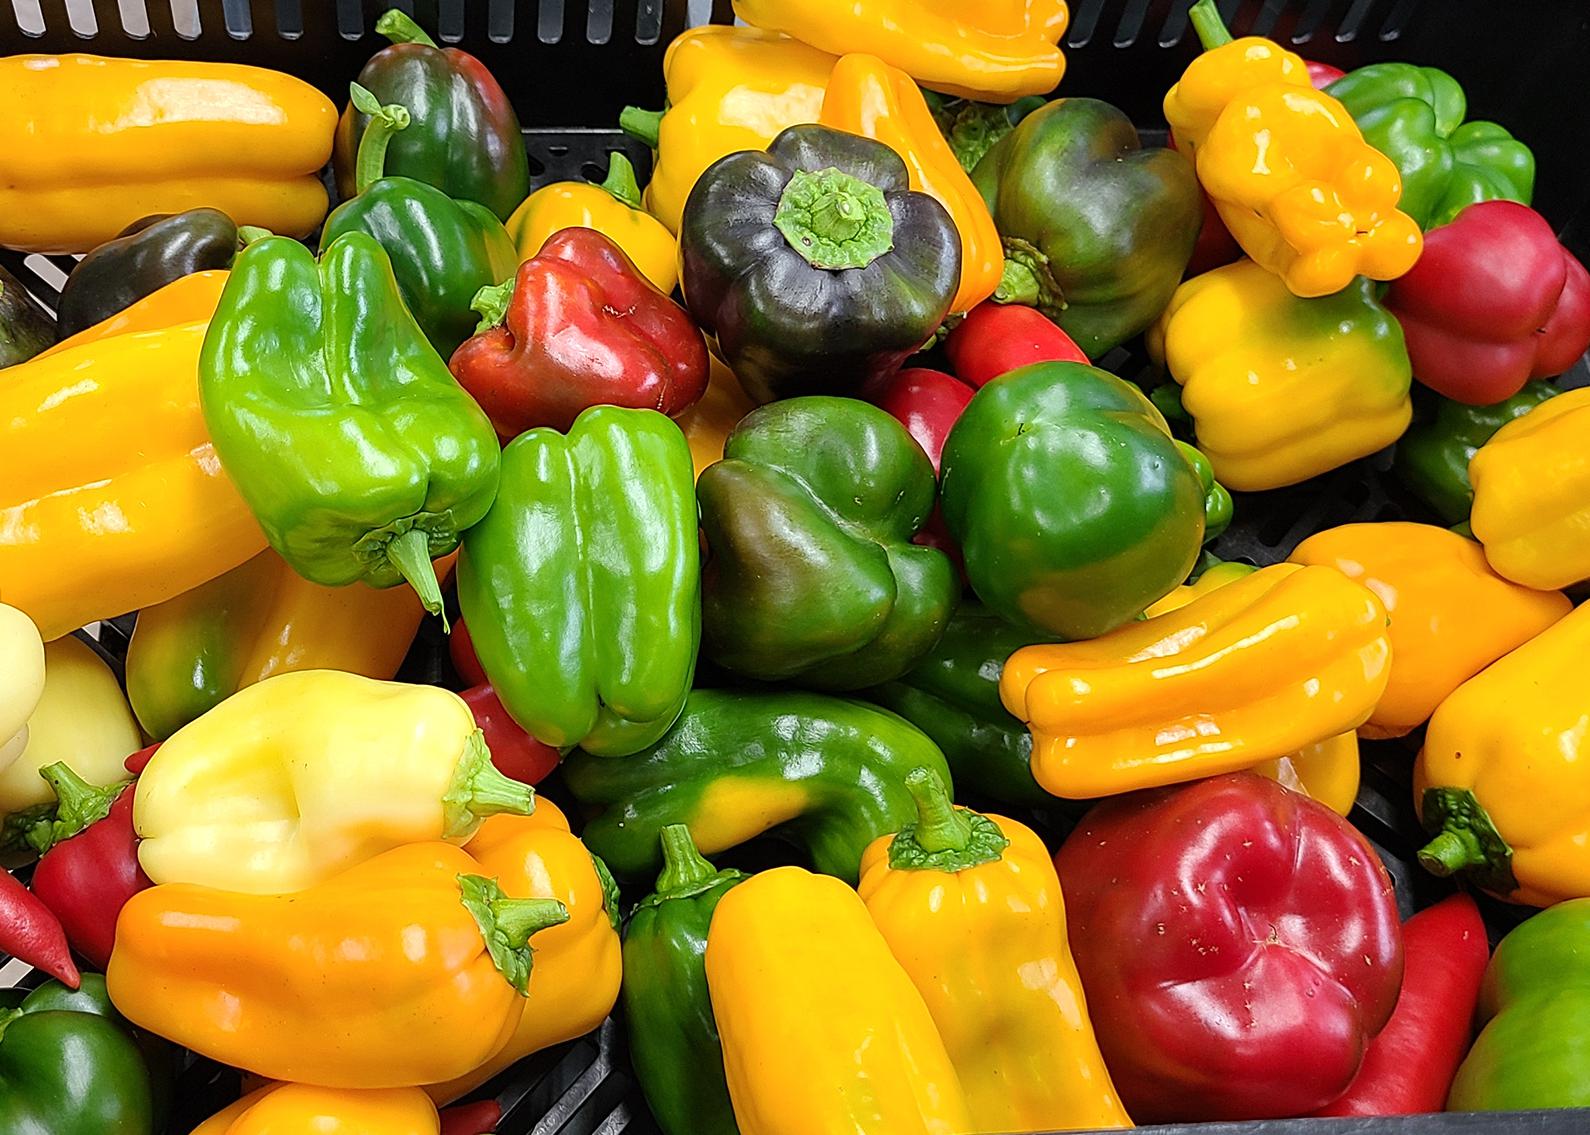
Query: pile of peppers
437, 606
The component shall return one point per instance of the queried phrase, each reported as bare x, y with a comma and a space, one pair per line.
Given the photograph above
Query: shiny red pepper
1238, 944
1493, 301
471, 1118
515, 753
579, 326
461, 650
995, 339
136, 763
30, 932
926, 402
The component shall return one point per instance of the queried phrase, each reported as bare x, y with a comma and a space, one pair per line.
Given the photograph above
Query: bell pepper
673, 1039
22, 663
106, 141
1097, 229
442, 251
1279, 388
927, 403
31, 933
1287, 168
825, 773
1532, 494
971, 907
868, 97
1531, 1051
1501, 780
1239, 944
995, 50
613, 208
729, 89
69, 1065
581, 586
1433, 457
1285, 657
26, 327
708, 423
187, 299
814, 267
341, 427
1415, 116
517, 755
811, 576
577, 961
578, 326
465, 139
996, 338
293, 780
108, 426
1072, 504
478, 1118
327, 986
870, 1062
143, 258
326, 1111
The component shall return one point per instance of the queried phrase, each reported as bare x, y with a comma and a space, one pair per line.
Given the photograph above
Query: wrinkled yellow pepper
21, 681
301, 1109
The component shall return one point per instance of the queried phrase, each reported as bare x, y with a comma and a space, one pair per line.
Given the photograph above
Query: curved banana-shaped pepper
22, 684
1255, 670
287, 1109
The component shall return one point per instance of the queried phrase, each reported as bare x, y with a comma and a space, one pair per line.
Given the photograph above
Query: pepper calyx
491, 304
478, 789
834, 220
620, 180
408, 545
1465, 840
1028, 280
506, 925
943, 837
79, 805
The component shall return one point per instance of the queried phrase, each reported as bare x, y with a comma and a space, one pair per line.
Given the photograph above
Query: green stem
684, 868
249, 234
479, 789
506, 925
1018, 284
939, 825
79, 805
518, 919
621, 181
398, 27
1207, 22
410, 553
491, 303
641, 124
369, 166
943, 837
834, 220
1450, 852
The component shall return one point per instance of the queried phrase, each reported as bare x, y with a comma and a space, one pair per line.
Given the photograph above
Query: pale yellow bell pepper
21, 680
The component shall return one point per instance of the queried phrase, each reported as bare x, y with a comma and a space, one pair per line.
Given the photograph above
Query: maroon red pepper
515, 753
995, 339
1238, 944
29, 931
579, 326
471, 1118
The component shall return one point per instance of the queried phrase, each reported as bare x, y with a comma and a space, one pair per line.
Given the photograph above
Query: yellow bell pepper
187, 299
1286, 166
729, 89
302, 1109
409, 969
1451, 615
293, 780
708, 423
21, 681
612, 208
1532, 494
823, 1032
1504, 776
1281, 659
103, 142
1281, 389
578, 962
992, 50
971, 907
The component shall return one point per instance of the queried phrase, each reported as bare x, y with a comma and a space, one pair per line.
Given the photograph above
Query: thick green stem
410, 553
684, 868
1450, 852
479, 790
939, 826
1464, 839
834, 220
398, 27
1018, 284
491, 303
620, 181
506, 925
369, 165
79, 805
943, 837
518, 919
1207, 22
641, 124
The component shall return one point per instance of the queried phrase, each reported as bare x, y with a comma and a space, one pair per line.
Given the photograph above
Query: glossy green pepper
1097, 229
813, 578
1433, 457
673, 1039
340, 425
443, 251
1073, 506
1414, 115
581, 587
824, 772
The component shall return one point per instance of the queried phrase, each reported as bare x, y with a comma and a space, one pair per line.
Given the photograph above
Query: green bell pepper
337, 421
443, 251
581, 587
673, 1039
1098, 230
1073, 506
1414, 115
25, 326
824, 772
813, 577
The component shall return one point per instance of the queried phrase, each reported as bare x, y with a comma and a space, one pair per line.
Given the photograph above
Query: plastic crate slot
549, 27
499, 21
1269, 12
1174, 27
648, 22
289, 19
237, 19
698, 12
1397, 20
1131, 23
1309, 20
450, 20
134, 18
1353, 22
1084, 22
599, 22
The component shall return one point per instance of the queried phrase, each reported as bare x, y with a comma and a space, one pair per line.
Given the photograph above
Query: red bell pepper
1323, 75
1238, 944
29, 931
461, 649
1493, 301
471, 1118
579, 326
1410, 1066
927, 403
515, 753
995, 339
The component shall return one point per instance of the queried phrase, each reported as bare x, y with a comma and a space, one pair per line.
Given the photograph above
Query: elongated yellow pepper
301, 1109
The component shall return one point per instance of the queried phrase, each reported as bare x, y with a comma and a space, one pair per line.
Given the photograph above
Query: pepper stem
479, 789
641, 124
79, 805
397, 26
410, 553
939, 826
620, 181
1208, 23
248, 234
369, 166
1450, 852
1018, 284
491, 303
683, 865
506, 925
834, 220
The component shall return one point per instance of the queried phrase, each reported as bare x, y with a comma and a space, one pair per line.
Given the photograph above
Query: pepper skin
107, 141
927, 403
870, 1063
1494, 302
1287, 168
971, 908
1097, 229
284, 1108
581, 586
825, 773
342, 428
997, 338
1072, 504
465, 140
993, 50
673, 1039
410, 968
1239, 945
30, 932
304, 775
1502, 778
578, 326
1285, 657
1532, 494
187, 299
517, 755
26, 326
22, 663
708, 423
811, 577
813, 267
1281, 389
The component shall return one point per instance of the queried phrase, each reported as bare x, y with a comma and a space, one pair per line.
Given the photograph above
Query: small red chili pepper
472, 1118
139, 761
30, 932
515, 753
995, 339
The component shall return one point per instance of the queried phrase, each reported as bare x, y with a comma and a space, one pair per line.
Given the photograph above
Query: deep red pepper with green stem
996, 338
